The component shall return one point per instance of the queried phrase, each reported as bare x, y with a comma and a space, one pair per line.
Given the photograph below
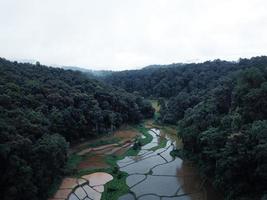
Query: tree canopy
42, 109
220, 109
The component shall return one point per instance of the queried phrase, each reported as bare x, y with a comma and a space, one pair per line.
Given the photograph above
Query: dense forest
220, 109
42, 110
182, 85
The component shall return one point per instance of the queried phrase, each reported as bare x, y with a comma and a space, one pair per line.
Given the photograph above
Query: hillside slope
220, 109
41, 108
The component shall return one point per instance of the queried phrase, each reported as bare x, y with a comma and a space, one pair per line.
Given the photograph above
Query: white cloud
120, 34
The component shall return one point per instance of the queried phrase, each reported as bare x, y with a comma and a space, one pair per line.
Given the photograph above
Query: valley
143, 172
68, 135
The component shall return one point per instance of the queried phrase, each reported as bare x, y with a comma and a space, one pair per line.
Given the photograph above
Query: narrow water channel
156, 175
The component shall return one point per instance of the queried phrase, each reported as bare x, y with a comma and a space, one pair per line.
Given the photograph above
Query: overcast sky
127, 34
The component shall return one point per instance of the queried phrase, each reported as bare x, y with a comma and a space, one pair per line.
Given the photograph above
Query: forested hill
226, 133
182, 86
169, 80
220, 109
41, 108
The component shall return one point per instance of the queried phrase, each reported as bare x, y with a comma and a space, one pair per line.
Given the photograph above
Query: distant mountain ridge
90, 72
163, 66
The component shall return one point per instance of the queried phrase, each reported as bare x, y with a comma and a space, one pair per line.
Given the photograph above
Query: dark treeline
42, 109
169, 80
227, 133
183, 86
221, 112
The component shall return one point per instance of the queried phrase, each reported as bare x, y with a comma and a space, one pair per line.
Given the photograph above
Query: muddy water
156, 175
89, 187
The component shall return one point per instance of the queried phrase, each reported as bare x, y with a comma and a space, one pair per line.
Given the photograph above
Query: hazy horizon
119, 68
123, 34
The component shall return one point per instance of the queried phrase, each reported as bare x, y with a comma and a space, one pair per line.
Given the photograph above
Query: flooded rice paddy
156, 175
153, 174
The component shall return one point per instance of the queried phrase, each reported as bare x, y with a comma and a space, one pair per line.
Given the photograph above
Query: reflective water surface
157, 175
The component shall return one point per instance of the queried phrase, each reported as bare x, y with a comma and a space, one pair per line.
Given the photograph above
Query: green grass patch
83, 172
116, 188
112, 160
113, 189
148, 138
72, 163
162, 144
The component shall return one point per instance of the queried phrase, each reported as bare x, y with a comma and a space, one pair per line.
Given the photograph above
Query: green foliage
229, 136
147, 137
72, 163
116, 188
177, 153
221, 112
30, 168
137, 144
220, 108
183, 85
40, 109
162, 144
